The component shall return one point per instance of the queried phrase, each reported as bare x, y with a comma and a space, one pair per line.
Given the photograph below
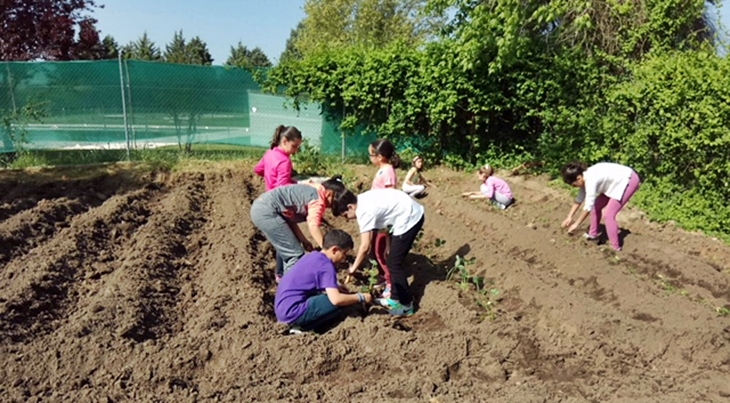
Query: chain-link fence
120, 104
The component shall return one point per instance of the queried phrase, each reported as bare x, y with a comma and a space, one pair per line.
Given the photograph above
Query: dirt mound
125, 286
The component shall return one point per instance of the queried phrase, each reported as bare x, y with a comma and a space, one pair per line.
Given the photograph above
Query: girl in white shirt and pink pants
605, 188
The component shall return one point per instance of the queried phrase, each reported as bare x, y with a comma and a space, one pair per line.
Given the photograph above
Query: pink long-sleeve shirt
494, 184
276, 168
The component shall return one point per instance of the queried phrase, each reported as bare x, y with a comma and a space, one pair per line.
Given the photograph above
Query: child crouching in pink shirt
493, 188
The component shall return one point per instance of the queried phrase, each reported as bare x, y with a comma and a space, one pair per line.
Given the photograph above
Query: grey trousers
277, 231
502, 199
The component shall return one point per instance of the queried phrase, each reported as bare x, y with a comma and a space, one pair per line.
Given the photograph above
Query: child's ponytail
395, 160
277, 136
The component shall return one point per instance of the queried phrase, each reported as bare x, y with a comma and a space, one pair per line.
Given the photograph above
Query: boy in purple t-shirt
308, 296
492, 188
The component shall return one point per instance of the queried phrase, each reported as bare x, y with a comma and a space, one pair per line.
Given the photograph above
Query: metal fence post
10, 88
124, 104
131, 106
344, 148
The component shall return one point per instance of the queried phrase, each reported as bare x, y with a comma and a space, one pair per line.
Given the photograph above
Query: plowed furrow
33, 227
139, 299
232, 272
41, 284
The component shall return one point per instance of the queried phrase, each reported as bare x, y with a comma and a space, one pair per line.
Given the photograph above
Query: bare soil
118, 285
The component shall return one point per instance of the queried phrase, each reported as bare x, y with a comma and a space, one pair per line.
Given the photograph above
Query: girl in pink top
383, 155
492, 188
275, 166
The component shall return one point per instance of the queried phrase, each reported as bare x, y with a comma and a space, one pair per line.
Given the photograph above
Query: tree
198, 53
290, 51
625, 30
111, 47
177, 50
47, 29
247, 59
193, 52
333, 24
142, 49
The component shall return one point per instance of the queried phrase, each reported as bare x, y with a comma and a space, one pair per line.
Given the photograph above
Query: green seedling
417, 241
373, 278
487, 296
488, 299
440, 242
460, 269
666, 284
723, 311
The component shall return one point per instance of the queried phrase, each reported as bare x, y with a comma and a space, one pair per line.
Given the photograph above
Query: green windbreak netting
136, 104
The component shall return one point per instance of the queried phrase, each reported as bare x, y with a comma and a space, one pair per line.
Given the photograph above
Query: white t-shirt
606, 178
380, 208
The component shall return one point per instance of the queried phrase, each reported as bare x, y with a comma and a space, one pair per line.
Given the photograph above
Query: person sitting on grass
493, 188
309, 296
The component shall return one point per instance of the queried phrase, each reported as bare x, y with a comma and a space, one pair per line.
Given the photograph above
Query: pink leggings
612, 206
381, 243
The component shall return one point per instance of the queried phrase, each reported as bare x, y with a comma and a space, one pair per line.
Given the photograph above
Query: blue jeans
320, 311
279, 265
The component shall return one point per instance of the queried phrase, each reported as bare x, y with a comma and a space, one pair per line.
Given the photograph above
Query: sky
222, 23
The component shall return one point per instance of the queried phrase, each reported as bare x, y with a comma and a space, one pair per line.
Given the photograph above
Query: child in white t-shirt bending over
378, 209
492, 188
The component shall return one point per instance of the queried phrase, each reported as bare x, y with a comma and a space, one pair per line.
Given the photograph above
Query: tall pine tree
244, 58
177, 50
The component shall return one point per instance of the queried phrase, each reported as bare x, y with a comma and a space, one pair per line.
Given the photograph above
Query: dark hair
572, 170
290, 133
339, 238
385, 148
342, 196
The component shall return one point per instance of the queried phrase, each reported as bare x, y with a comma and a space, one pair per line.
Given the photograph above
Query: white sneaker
589, 237
296, 330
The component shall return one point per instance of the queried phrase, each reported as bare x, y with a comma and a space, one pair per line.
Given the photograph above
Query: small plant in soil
465, 278
373, 278
488, 298
666, 284
487, 294
440, 242
417, 241
723, 311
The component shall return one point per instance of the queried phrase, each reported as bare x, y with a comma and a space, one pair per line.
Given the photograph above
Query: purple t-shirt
308, 277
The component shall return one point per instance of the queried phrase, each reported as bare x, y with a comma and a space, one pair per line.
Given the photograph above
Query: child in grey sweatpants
278, 212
